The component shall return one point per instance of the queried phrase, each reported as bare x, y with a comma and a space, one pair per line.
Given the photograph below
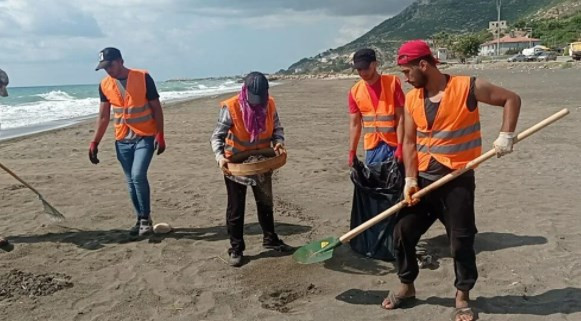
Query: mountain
420, 20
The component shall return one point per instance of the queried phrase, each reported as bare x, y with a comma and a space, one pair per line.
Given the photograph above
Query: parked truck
575, 50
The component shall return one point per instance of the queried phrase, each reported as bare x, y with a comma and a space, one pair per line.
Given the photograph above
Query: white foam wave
55, 95
45, 111
59, 105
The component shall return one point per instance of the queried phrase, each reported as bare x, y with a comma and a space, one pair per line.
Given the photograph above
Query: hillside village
528, 30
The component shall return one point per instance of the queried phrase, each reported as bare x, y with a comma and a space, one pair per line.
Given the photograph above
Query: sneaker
279, 246
235, 259
145, 227
141, 228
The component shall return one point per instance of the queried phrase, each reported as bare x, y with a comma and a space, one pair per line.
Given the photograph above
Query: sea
29, 110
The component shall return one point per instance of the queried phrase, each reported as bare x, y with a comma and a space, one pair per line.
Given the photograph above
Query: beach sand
528, 246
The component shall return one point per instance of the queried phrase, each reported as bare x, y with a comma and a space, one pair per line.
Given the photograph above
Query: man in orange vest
248, 121
442, 134
138, 119
376, 107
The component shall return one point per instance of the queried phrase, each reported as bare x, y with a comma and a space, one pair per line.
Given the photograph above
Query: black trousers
236, 208
453, 205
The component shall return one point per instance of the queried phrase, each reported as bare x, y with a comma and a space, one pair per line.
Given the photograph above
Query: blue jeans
135, 158
379, 154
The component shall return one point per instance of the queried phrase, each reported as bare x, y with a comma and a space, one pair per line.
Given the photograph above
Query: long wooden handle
482, 158
20, 179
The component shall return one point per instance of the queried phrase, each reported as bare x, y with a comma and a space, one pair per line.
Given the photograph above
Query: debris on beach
278, 299
18, 283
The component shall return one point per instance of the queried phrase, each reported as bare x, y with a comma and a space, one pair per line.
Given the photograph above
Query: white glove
410, 188
503, 144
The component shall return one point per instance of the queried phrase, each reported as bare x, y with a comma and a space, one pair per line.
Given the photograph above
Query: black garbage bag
377, 187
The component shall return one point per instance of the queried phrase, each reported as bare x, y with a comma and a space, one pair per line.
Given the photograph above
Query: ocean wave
45, 111
48, 104
55, 95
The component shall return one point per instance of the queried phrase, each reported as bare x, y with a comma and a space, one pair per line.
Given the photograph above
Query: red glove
159, 143
399, 153
351, 158
93, 150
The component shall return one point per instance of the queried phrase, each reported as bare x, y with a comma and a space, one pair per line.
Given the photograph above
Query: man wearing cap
248, 121
138, 119
442, 134
376, 104
4, 244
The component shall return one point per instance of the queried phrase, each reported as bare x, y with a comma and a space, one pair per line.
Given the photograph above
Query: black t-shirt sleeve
102, 95
471, 101
151, 90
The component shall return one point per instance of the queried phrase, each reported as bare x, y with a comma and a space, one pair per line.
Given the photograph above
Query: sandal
396, 301
463, 311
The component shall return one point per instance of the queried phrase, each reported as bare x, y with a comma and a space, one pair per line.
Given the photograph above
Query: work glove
410, 188
159, 143
351, 159
398, 154
223, 164
93, 150
503, 144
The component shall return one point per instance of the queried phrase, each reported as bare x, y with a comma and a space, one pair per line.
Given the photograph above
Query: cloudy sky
54, 42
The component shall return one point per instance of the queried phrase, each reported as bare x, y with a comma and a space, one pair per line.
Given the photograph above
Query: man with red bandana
442, 134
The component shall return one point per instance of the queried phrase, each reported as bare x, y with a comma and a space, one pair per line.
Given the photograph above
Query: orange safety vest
378, 123
130, 106
454, 139
238, 138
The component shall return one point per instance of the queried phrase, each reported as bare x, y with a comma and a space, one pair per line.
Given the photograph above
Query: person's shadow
96, 239
556, 301
348, 261
485, 242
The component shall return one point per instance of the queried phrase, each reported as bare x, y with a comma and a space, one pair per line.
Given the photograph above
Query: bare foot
463, 312
406, 292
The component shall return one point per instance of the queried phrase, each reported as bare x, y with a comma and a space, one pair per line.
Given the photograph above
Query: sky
57, 42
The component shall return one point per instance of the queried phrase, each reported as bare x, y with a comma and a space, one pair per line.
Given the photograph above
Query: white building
442, 54
507, 43
494, 26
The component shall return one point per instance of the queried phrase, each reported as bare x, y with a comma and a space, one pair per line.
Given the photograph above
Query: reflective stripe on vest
368, 130
247, 143
378, 118
444, 134
450, 149
133, 110
119, 120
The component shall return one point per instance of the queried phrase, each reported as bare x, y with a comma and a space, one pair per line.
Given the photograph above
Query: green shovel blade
317, 251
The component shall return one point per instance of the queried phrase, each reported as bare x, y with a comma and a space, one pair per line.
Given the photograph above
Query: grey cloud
264, 7
50, 18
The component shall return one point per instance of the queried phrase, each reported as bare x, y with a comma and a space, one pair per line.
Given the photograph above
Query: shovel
322, 250
52, 212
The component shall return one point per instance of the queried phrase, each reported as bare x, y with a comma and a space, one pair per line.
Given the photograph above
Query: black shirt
150, 91
435, 169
